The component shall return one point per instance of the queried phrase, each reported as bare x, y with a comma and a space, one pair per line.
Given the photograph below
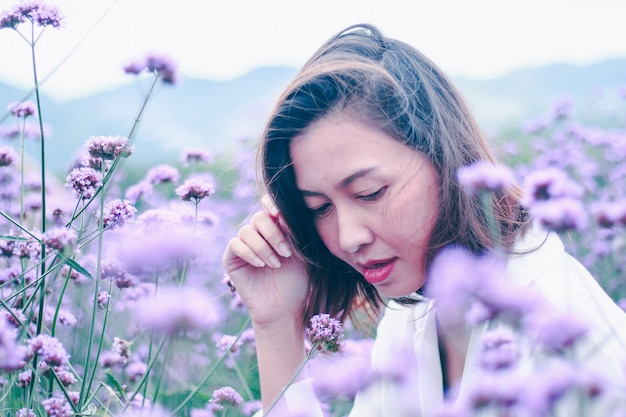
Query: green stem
144, 378
22, 187
209, 374
56, 311
160, 378
241, 376
87, 382
494, 229
292, 380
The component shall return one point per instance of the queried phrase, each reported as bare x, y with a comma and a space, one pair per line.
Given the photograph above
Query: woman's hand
271, 282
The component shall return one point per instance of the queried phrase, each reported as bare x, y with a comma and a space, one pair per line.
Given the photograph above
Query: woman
360, 159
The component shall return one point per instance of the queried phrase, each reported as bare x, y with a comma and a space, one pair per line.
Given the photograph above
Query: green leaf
115, 385
75, 265
20, 238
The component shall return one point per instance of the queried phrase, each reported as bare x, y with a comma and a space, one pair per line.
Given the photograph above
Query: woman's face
374, 200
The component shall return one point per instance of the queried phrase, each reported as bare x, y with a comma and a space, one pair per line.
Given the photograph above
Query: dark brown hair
392, 87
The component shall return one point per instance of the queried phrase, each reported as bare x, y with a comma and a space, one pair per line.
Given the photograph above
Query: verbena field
113, 297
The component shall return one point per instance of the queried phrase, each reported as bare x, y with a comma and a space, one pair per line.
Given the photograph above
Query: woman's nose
353, 231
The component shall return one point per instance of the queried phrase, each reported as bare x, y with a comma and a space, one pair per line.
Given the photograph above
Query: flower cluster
85, 181
554, 200
162, 174
7, 156
194, 190
49, 349
22, 110
35, 11
485, 176
172, 310
226, 397
325, 333
161, 65
117, 213
194, 156
59, 239
109, 147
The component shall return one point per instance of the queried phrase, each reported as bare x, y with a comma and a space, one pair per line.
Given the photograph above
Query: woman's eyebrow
360, 173
343, 183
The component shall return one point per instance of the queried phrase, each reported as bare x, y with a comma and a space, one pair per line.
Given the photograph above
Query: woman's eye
373, 196
320, 211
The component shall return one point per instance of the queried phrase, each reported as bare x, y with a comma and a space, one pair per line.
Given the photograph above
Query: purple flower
109, 359
136, 370
344, 374
191, 156
24, 378
610, 214
325, 333
59, 239
544, 387
65, 377
228, 342
109, 147
116, 271
162, 174
250, 407
560, 214
163, 65
498, 350
25, 412
547, 184
49, 349
472, 289
555, 330
57, 407
117, 213
226, 397
194, 190
7, 156
562, 109
141, 189
22, 110
121, 347
84, 181
485, 176
173, 309
35, 11
496, 388
103, 298
159, 64
66, 318
12, 355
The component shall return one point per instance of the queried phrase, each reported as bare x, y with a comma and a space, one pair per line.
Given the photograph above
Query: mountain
216, 115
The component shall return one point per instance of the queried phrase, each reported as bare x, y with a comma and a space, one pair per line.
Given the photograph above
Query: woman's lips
376, 272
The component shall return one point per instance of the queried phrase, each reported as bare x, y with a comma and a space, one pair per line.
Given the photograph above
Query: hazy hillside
216, 115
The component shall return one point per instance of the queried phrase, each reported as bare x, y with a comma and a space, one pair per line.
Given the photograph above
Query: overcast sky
225, 39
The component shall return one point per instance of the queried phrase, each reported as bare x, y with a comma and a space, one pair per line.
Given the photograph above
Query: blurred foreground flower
173, 309
485, 176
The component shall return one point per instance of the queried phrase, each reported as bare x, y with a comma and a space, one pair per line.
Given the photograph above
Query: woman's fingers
269, 206
238, 251
271, 233
255, 241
